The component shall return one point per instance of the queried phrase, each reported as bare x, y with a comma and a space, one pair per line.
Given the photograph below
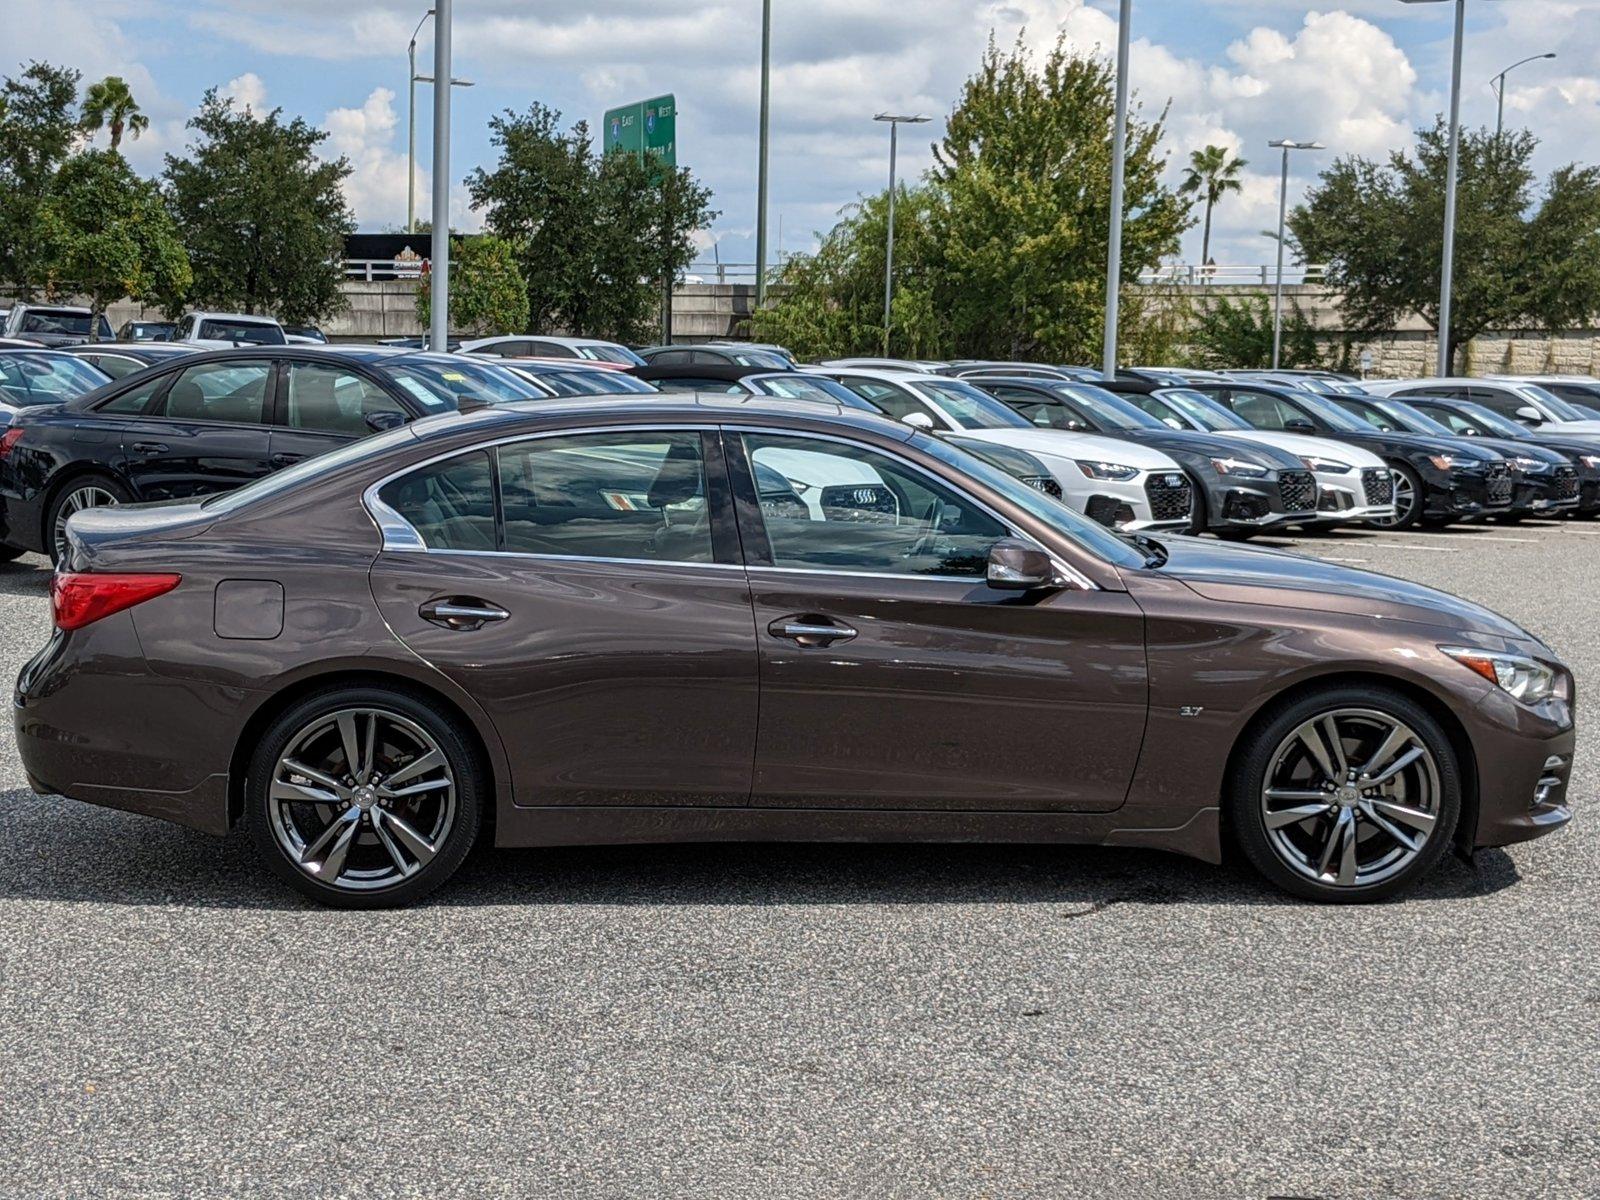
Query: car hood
1211, 445
1303, 445
1058, 443
1510, 448
1422, 443
1586, 428
1255, 575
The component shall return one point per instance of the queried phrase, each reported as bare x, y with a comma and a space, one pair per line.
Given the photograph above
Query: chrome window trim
398, 535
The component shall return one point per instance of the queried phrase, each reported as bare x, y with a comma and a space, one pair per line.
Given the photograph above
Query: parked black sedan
1464, 418
118, 359
1240, 489
1437, 480
213, 421
1544, 482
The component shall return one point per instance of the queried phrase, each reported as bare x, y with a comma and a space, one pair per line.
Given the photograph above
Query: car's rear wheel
1347, 795
364, 797
84, 492
1409, 500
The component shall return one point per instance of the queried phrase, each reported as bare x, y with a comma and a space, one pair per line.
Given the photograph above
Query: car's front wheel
1410, 498
364, 797
1346, 795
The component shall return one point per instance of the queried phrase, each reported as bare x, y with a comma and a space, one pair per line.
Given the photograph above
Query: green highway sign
650, 126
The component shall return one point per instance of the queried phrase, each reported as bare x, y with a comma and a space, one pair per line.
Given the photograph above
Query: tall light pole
761, 165
1119, 154
412, 79
1499, 83
439, 293
1285, 145
894, 122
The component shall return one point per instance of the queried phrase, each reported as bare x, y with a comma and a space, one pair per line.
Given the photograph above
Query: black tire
1253, 758
1199, 518
471, 791
10, 553
1419, 491
73, 486
1237, 535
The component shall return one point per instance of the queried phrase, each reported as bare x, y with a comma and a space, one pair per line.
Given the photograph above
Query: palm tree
109, 104
1211, 171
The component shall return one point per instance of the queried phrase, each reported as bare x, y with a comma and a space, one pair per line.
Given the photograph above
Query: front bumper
1367, 495
1468, 492
1152, 500
1524, 758
1235, 503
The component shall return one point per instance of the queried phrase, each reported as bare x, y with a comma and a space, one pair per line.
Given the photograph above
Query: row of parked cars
394, 597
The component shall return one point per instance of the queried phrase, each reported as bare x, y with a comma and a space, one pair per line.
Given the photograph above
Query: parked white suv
222, 331
1141, 487
54, 325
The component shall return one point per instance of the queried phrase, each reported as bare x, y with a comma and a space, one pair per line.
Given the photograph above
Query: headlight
1533, 466
1240, 468
1106, 470
1590, 460
1526, 679
1329, 466
1444, 462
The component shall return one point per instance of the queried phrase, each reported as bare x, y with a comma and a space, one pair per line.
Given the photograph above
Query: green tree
1210, 176
109, 235
596, 235
36, 134
109, 104
1525, 257
263, 218
487, 292
1237, 333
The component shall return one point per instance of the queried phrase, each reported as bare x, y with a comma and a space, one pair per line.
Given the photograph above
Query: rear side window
450, 504
334, 400
115, 365
233, 392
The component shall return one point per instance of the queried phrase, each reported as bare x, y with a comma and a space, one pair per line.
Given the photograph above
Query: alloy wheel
1405, 500
361, 799
1352, 797
90, 495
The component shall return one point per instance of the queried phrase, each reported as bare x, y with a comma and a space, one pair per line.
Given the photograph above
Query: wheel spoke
415, 789
325, 856
1330, 729
1311, 739
432, 760
368, 761
296, 793
1347, 860
380, 827
1295, 794
1335, 835
352, 747
1278, 818
1397, 737
1422, 822
295, 767
1394, 831
1394, 768
420, 847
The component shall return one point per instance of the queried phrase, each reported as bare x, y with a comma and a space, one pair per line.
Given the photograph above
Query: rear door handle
811, 631
284, 460
461, 612
150, 447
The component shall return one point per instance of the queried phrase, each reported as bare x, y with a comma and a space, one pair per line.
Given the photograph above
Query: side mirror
1530, 415
379, 421
919, 421
1016, 566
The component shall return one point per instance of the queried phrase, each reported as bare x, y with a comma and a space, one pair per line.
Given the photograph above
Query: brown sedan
678, 620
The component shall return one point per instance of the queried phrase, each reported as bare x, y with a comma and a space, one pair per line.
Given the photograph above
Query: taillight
78, 599
8, 439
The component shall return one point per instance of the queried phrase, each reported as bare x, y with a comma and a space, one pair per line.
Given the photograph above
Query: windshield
1412, 420
1338, 418
36, 378
968, 407
1492, 421
441, 386
1106, 408
1554, 404
611, 354
251, 332
1203, 411
792, 385
1093, 537
587, 383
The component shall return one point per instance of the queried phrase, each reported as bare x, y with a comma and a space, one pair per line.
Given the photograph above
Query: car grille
1566, 483
1044, 483
1170, 496
1498, 482
1298, 491
1378, 485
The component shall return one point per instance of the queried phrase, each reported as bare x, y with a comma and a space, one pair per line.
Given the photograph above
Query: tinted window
334, 400
635, 495
670, 358
969, 407
27, 379
251, 333
1500, 402
695, 383
547, 350
1456, 422
450, 504
46, 321
613, 354
114, 365
235, 392
439, 386
793, 386
833, 506
1263, 411
895, 401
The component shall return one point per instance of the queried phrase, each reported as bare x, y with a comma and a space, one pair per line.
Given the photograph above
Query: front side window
450, 504
832, 506
233, 392
334, 400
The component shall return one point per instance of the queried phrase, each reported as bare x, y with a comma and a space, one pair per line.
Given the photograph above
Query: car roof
248, 318
57, 308
169, 348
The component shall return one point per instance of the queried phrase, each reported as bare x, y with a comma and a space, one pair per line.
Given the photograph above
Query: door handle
284, 460
461, 612
150, 447
811, 631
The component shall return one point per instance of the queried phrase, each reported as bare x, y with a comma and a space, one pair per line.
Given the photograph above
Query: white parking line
1331, 558
1396, 546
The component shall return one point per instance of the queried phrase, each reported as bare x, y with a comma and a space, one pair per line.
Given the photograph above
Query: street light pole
439, 293
1285, 145
411, 126
894, 122
1119, 150
761, 166
1499, 82
1447, 268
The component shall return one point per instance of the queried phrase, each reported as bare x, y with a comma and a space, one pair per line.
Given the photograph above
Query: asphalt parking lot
811, 1021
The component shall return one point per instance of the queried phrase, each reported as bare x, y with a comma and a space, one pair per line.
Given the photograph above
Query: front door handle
461, 612
811, 631
150, 447
284, 460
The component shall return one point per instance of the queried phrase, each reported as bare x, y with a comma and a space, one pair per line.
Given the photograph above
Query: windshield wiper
1155, 553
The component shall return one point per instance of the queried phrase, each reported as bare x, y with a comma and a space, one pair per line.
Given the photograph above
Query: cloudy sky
1356, 75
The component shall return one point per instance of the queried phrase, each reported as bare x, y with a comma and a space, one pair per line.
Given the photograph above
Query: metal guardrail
370, 269
1198, 275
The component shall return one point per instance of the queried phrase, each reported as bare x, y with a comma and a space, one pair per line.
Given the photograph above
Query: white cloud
248, 91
